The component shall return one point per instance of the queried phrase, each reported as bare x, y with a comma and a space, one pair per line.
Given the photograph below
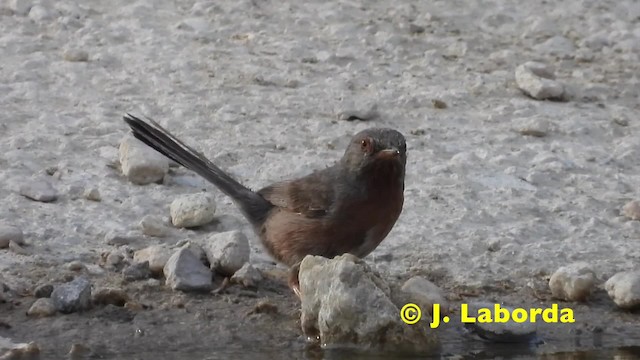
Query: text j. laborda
412, 313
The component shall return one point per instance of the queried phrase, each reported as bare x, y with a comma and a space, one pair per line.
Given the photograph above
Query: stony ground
262, 88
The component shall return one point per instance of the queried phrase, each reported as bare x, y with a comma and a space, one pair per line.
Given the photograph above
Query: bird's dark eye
366, 145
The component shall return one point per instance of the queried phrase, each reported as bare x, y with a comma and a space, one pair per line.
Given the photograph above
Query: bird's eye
366, 145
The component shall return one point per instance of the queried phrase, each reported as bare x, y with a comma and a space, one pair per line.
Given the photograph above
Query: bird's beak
389, 153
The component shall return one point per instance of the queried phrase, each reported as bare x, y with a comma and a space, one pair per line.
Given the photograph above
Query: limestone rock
624, 289
140, 163
573, 282
227, 252
193, 210
338, 296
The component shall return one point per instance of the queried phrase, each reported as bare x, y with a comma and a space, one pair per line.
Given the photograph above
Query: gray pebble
504, 332
185, 272
38, 190
73, 296
537, 80
137, 271
43, 291
75, 55
247, 276
10, 233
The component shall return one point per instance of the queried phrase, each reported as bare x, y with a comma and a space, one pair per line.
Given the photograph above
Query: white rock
337, 297
20, 7
156, 255
92, 194
531, 126
193, 24
573, 282
39, 13
140, 163
193, 210
632, 210
10, 233
227, 252
424, 293
624, 289
185, 272
38, 190
537, 80
153, 226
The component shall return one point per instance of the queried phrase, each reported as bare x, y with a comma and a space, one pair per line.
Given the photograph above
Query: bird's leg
294, 281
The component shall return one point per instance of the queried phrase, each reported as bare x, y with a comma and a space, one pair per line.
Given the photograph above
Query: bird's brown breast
356, 223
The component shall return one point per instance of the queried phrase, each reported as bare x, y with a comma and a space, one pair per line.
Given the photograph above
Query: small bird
348, 207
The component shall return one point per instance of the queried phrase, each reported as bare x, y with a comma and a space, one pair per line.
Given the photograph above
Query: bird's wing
311, 196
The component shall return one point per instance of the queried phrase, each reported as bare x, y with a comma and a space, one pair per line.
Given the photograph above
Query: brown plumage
349, 207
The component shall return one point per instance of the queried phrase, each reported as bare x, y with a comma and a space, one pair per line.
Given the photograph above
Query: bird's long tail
253, 205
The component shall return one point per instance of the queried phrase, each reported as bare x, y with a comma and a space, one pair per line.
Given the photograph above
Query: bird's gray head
376, 148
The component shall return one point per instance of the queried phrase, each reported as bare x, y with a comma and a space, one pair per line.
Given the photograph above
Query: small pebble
537, 80
141, 164
20, 7
247, 276
137, 271
185, 272
92, 194
79, 351
43, 307
352, 114
39, 13
10, 233
43, 291
156, 255
17, 249
110, 296
75, 55
416, 29
38, 190
75, 266
573, 282
632, 210
502, 332
116, 239
193, 210
439, 104
153, 226
227, 252
73, 296
533, 126
624, 289
425, 293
